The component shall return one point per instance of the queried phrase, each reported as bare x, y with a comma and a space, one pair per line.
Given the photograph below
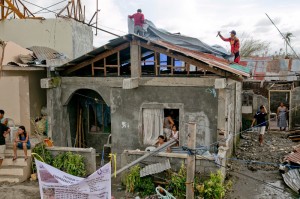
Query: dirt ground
25, 190
260, 180
250, 180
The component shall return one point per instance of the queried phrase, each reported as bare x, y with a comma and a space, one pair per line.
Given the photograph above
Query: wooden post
191, 162
93, 69
135, 58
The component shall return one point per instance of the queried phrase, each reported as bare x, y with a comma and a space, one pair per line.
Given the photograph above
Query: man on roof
234, 43
138, 18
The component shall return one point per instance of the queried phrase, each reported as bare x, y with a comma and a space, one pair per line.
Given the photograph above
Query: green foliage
177, 182
134, 183
44, 155
70, 163
214, 187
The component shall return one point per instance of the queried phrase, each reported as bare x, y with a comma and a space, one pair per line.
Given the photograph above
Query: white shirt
175, 135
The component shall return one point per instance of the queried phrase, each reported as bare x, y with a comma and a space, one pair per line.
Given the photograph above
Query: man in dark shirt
4, 130
138, 22
261, 123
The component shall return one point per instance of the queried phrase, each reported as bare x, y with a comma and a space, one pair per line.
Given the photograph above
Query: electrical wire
50, 11
39, 6
39, 11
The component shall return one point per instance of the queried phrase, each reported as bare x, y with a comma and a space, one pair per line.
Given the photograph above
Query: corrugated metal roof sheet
204, 57
155, 168
52, 57
44, 53
294, 157
292, 179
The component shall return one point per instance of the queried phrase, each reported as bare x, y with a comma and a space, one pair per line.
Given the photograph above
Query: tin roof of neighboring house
14, 55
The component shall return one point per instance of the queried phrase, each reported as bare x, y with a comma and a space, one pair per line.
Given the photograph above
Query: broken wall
64, 35
295, 107
22, 97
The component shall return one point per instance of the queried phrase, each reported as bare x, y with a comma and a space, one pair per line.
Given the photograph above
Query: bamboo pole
165, 145
79, 143
102, 117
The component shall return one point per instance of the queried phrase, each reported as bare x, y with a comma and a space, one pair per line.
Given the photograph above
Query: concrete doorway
275, 98
90, 119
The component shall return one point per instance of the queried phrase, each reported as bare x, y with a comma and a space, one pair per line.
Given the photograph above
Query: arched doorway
90, 119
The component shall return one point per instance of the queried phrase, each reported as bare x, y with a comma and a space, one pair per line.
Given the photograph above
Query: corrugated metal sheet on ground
292, 179
293, 157
155, 168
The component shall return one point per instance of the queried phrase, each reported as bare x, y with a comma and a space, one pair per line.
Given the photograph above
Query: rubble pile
267, 157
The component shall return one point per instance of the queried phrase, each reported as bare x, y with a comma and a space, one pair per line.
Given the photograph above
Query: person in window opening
21, 142
281, 115
261, 123
168, 123
175, 134
139, 21
162, 140
234, 44
3, 120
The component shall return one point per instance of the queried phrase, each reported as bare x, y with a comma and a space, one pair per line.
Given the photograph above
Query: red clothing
138, 19
234, 43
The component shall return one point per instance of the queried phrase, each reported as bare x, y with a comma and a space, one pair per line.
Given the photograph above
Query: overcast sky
197, 18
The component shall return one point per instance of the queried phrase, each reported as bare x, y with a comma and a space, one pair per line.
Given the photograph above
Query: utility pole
191, 160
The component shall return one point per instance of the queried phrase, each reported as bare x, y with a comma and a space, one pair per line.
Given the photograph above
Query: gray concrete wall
295, 108
64, 35
82, 39
204, 165
89, 156
197, 104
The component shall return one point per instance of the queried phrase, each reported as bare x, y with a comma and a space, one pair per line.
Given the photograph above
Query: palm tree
287, 40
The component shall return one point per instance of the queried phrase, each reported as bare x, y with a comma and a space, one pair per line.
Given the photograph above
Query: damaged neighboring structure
273, 81
126, 88
30, 49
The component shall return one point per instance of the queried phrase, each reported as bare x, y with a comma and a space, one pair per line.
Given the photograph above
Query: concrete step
9, 145
10, 179
12, 170
18, 162
20, 153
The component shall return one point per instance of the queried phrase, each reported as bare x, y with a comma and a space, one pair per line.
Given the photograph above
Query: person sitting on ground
4, 130
138, 18
175, 134
22, 142
3, 120
261, 123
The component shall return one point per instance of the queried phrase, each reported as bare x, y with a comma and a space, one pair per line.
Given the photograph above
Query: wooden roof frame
156, 49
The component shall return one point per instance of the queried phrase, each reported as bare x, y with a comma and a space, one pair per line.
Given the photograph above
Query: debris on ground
254, 169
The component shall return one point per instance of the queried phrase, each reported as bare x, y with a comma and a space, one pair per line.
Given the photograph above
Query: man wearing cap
234, 43
138, 22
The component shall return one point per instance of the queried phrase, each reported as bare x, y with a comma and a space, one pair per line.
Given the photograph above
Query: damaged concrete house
27, 56
126, 88
30, 47
273, 81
